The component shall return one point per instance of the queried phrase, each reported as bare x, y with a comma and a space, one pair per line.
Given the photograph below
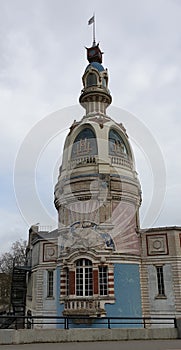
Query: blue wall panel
127, 292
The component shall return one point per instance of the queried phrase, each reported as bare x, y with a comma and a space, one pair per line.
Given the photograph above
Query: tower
98, 262
97, 197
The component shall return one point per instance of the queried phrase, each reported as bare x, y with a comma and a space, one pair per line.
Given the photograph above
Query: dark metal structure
15, 318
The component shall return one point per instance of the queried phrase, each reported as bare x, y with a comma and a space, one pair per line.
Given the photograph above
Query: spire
95, 96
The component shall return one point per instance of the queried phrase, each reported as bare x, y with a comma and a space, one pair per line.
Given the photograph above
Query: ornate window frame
95, 292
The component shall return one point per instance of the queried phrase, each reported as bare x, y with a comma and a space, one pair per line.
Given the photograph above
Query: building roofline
160, 228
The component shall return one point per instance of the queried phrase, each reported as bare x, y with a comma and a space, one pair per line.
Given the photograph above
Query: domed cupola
95, 96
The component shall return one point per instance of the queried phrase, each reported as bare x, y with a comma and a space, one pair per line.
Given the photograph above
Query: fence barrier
30, 322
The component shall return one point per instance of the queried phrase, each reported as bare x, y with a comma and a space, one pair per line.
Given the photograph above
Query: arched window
85, 144
91, 79
84, 278
86, 133
117, 146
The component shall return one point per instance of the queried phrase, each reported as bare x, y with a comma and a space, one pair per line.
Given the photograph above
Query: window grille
84, 278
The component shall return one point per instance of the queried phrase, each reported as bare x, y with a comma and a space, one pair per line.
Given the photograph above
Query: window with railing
117, 146
84, 278
85, 146
86, 285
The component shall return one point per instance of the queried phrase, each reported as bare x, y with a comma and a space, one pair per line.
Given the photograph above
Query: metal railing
66, 322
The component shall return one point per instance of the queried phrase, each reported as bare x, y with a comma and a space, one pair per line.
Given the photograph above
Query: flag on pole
91, 20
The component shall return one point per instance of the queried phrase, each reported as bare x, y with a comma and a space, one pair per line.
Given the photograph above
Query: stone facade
161, 253
99, 262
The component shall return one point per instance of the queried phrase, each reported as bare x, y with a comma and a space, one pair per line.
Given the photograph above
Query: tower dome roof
95, 65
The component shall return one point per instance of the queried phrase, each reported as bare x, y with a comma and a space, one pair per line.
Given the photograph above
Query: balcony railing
85, 306
82, 161
92, 160
119, 161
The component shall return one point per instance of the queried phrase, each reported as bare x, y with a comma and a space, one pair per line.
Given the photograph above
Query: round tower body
97, 184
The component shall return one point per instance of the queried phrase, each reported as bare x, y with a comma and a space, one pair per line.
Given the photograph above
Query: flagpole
94, 31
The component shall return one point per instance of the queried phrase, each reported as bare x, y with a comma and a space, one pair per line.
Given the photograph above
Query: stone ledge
25, 336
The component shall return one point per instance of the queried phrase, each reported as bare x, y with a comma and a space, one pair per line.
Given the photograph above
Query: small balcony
83, 307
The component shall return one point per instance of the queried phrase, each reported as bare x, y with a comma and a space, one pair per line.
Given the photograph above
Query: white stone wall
161, 247
160, 304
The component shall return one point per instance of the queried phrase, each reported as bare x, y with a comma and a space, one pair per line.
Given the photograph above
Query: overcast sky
42, 60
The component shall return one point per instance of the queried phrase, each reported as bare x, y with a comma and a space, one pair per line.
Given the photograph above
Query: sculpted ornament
85, 235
